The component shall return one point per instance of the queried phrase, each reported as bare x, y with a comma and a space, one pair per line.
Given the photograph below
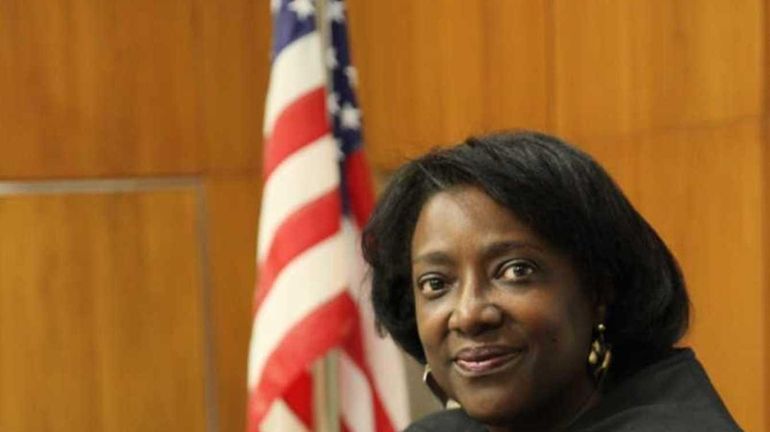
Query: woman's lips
485, 360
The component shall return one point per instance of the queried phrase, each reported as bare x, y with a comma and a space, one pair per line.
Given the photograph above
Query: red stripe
308, 226
299, 397
362, 202
382, 421
301, 123
360, 187
309, 339
343, 426
355, 349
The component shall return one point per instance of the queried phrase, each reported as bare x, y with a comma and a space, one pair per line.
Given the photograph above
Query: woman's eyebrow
502, 247
489, 251
435, 258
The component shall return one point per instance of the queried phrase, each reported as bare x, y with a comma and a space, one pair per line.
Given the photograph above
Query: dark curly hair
564, 196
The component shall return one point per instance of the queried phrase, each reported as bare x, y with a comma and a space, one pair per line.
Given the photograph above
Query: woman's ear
601, 312
604, 295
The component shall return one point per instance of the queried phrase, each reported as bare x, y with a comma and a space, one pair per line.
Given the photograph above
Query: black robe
672, 395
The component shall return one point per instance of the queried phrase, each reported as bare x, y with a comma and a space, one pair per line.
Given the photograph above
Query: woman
537, 297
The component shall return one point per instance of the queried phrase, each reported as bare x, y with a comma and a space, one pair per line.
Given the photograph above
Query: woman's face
503, 320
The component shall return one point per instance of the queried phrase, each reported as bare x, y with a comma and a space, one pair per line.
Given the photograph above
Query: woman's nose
474, 311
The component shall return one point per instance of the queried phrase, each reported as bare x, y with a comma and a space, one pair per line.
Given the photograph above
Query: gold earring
433, 386
437, 391
600, 356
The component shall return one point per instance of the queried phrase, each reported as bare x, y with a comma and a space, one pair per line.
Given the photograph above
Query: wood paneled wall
131, 87
100, 314
134, 90
116, 306
668, 95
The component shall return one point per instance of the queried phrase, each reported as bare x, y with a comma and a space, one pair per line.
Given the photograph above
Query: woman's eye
431, 284
517, 270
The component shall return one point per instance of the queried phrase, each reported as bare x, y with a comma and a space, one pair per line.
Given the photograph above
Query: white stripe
356, 402
280, 418
304, 176
389, 375
311, 279
382, 356
296, 70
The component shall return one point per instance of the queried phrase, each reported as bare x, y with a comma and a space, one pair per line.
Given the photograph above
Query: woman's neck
553, 420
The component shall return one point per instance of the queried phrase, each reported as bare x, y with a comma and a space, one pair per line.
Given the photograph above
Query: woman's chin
504, 419
492, 411
493, 419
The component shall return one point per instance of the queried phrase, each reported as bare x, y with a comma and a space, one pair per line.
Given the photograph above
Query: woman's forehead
467, 211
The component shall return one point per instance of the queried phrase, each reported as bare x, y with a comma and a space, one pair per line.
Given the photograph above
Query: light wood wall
668, 95
100, 315
128, 308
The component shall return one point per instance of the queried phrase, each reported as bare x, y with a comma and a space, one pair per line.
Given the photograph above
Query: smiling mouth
485, 361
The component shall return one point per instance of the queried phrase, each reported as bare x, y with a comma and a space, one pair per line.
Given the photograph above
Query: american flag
310, 295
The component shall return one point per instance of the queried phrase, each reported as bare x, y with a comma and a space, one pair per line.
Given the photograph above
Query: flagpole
325, 397
325, 377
